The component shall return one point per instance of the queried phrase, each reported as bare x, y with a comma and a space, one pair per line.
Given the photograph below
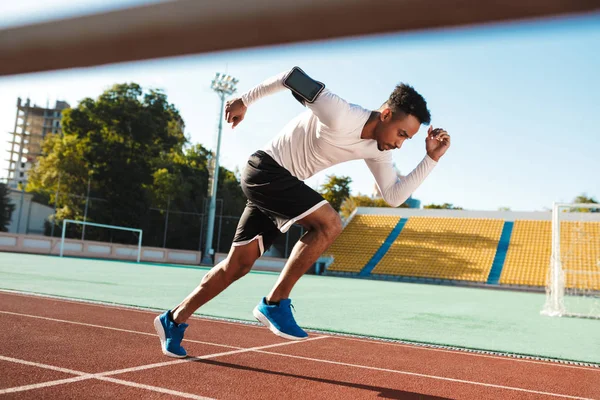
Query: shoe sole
163, 340
265, 321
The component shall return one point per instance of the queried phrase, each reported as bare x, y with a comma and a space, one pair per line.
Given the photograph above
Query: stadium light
223, 85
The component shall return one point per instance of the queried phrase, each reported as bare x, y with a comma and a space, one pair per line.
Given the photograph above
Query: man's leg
170, 326
274, 311
237, 264
324, 226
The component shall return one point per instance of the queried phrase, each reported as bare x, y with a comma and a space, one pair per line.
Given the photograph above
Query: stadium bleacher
359, 240
444, 248
528, 256
464, 246
580, 244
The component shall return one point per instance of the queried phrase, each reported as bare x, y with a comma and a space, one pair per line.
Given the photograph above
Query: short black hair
405, 99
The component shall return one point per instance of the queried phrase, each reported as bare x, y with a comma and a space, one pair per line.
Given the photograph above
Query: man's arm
235, 110
328, 107
394, 190
270, 86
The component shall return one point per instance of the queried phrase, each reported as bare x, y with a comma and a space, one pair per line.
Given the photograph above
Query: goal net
573, 283
135, 238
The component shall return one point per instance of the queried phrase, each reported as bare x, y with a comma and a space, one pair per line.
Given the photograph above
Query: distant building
32, 125
411, 202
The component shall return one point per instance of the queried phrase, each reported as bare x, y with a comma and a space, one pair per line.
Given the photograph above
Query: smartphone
304, 88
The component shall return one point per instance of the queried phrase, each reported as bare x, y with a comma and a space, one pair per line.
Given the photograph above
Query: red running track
56, 349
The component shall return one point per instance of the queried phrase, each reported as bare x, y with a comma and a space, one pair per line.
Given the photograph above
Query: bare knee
328, 223
239, 262
240, 268
335, 227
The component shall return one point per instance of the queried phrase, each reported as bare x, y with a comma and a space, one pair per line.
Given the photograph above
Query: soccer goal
573, 283
70, 221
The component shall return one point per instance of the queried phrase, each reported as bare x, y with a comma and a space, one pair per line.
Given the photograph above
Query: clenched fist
235, 111
436, 143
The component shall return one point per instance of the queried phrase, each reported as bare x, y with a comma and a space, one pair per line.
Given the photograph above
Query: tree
182, 179
114, 142
6, 207
364, 201
336, 190
181, 184
129, 144
360, 201
584, 199
445, 206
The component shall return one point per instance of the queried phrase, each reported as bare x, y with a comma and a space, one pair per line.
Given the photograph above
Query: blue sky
521, 101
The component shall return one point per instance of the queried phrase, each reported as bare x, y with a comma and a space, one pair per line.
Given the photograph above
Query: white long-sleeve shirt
328, 133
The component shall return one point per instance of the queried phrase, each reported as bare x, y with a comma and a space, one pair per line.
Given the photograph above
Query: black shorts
276, 200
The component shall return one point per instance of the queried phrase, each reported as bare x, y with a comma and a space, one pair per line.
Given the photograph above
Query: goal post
573, 283
123, 228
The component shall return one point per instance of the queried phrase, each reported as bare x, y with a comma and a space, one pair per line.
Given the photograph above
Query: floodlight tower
223, 85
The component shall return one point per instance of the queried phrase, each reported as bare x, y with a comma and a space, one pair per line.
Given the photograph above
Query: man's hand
235, 111
436, 143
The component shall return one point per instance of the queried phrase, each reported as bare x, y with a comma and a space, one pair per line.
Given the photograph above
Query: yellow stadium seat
443, 248
528, 257
580, 254
464, 249
359, 240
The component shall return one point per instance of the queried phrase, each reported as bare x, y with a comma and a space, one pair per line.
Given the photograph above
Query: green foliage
115, 142
130, 145
584, 199
6, 207
363, 201
445, 206
336, 190
360, 201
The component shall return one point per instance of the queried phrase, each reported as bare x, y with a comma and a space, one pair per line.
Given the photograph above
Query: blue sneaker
170, 335
279, 319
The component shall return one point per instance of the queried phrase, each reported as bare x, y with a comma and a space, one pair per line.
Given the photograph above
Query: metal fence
163, 227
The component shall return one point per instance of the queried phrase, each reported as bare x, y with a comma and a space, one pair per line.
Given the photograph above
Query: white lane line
111, 328
443, 378
549, 364
138, 309
252, 325
45, 384
215, 355
143, 367
81, 376
257, 349
154, 388
465, 353
45, 366
103, 376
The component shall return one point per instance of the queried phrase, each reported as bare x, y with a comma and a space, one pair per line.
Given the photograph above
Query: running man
329, 132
